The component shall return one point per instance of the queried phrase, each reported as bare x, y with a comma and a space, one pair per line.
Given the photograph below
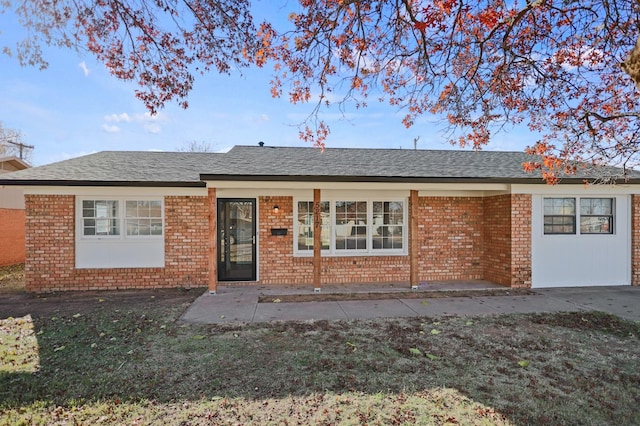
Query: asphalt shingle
285, 163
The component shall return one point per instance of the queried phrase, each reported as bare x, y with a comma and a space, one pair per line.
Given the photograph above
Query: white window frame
121, 216
578, 215
369, 251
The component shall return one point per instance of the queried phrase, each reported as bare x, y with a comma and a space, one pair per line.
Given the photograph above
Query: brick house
12, 215
276, 215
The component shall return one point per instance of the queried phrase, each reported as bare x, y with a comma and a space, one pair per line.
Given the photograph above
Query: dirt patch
15, 301
432, 294
12, 278
74, 302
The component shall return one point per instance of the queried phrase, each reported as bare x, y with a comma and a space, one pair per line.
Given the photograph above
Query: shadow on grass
576, 368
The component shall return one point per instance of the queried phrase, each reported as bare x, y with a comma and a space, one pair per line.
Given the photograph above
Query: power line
21, 146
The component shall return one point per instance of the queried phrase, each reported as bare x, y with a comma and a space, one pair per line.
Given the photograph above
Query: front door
236, 239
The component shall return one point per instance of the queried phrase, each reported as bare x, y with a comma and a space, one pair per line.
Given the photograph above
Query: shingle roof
285, 163
120, 167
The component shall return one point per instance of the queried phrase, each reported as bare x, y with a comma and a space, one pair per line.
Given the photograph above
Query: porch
257, 303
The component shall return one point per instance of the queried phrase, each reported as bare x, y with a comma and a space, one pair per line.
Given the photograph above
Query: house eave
399, 179
91, 183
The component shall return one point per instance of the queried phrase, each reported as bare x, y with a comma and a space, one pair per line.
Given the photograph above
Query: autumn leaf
524, 363
415, 351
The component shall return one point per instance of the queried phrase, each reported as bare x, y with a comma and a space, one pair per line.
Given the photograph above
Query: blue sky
76, 107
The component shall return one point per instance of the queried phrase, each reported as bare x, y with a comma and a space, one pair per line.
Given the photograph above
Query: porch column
317, 241
213, 249
413, 239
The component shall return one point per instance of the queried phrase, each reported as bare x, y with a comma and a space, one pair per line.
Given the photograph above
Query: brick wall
507, 240
458, 238
635, 240
12, 236
278, 266
497, 239
450, 235
521, 240
50, 243
450, 232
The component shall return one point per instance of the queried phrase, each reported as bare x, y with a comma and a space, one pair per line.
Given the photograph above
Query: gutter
145, 184
399, 179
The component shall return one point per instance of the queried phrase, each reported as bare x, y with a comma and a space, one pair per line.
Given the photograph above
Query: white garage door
580, 240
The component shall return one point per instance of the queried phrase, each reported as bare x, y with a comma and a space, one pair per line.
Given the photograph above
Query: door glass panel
236, 240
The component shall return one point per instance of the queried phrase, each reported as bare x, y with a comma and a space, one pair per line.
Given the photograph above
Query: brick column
413, 239
521, 240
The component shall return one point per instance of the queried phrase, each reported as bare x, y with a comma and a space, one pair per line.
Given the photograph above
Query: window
305, 225
595, 215
100, 217
144, 217
388, 219
559, 215
353, 227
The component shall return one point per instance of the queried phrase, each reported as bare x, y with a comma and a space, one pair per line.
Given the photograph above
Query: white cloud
118, 118
110, 128
150, 123
84, 67
152, 128
147, 117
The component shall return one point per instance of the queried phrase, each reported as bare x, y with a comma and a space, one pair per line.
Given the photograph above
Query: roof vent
261, 143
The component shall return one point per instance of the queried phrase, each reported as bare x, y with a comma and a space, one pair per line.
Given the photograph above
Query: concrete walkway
240, 304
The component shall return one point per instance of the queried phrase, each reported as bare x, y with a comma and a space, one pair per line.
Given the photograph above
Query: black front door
236, 239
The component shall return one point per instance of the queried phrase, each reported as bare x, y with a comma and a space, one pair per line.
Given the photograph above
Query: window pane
596, 225
559, 225
596, 206
155, 209
132, 209
559, 206
156, 227
132, 227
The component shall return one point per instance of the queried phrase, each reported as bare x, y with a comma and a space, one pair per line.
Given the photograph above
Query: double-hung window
100, 217
562, 214
121, 218
353, 227
596, 215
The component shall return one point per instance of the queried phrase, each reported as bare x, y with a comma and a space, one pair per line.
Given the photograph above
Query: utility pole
21, 146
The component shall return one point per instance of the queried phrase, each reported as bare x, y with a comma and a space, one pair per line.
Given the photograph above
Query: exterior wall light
276, 209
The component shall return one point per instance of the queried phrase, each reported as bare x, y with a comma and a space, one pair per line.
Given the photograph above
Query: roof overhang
399, 179
15, 162
147, 184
